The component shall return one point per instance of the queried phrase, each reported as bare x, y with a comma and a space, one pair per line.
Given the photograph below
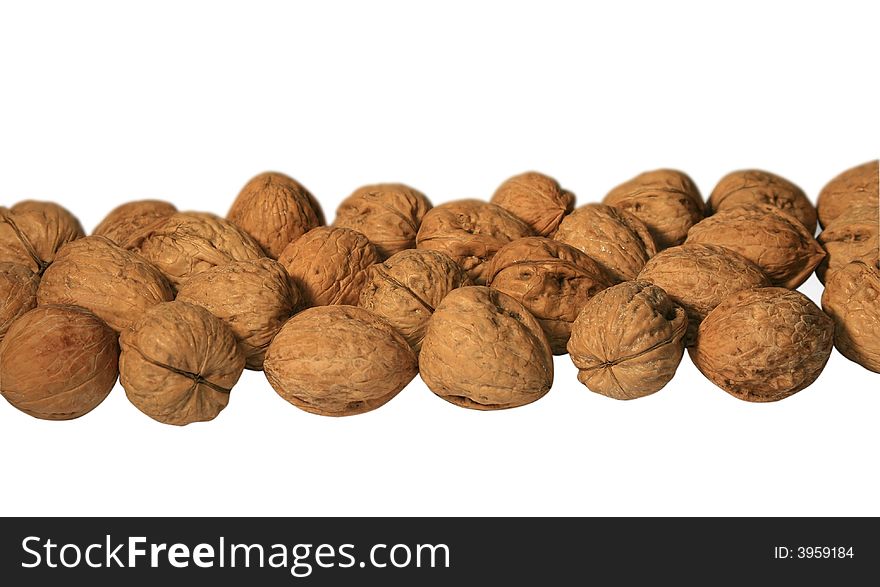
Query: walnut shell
773, 240
275, 210
551, 279
58, 362
857, 186
471, 232
536, 199
628, 340
614, 238
853, 236
852, 299
389, 214
18, 293
32, 232
754, 186
179, 363
698, 277
405, 289
483, 350
254, 298
339, 361
125, 223
114, 284
666, 200
187, 243
763, 344
329, 265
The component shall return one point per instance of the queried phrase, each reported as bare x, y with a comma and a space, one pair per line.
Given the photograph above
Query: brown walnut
32, 232
754, 186
853, 236
124, 224
852, 299
18, 293
857, 186
537, 200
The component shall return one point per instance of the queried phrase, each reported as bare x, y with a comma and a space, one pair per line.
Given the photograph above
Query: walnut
32, 232
125, 223
551, 279
187, 243
58, 362
388, 214
254, 298
753, 186
773, 240
853, 235
666, 200
276, 210
857, 186
483, 350
628, 340
105, 279
471, 232
763, 344
537, 200
179, 363
697, 277
339, 361
852, 299
18, 293
614, 238
329, 265
405, 289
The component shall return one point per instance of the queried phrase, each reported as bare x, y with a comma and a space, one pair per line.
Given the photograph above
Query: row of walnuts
475, 296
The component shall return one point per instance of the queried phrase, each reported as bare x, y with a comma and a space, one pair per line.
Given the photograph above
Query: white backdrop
103, 102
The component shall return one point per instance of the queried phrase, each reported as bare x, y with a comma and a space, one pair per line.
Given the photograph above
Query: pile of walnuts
474, 296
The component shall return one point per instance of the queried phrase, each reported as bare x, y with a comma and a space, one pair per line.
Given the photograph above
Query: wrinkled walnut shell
125, 223
628, 340
754, 186
408, 286
339, 361
853, 236
32, 232
773, 240
18, 293
483, 350
614, 238
114, 284
852, 299
854, 187
537, 200
388, 214
254, 298
58, 362
471, 232
551, 279
178, 363
763, 344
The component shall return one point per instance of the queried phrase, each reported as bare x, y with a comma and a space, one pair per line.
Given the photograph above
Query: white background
103, 102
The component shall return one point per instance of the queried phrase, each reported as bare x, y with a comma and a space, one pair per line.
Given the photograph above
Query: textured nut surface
763, 344
483, 350
852, 299
275, 210
115, 284
339, 361
329, 265
32, 232
58, 362
853, 236
857, 186
408, 286
628, 340
614, 238
773, 240
388, 214
179, 363
187, 243
18, 293
124, 224
471, 232
697, 277
666, 200
254, 298
536, 199
551, 279
754, 186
